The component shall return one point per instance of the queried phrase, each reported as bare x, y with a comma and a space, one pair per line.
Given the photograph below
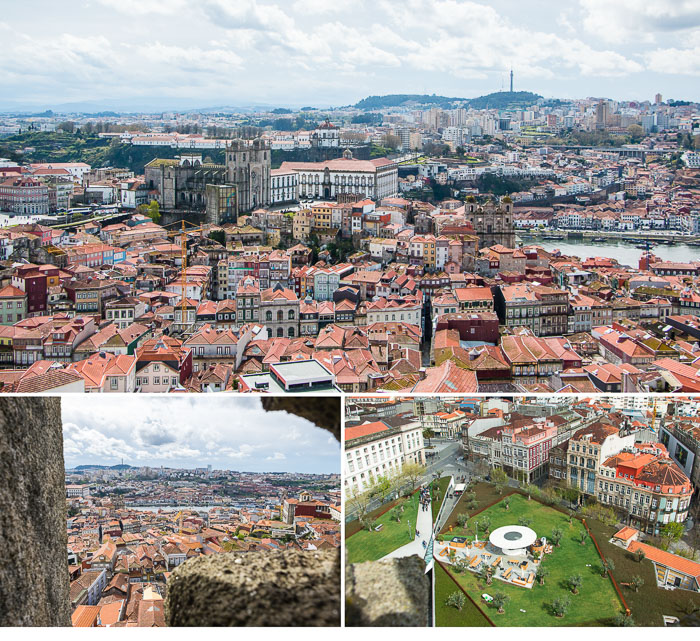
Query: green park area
596, 602
365, 545
469, 616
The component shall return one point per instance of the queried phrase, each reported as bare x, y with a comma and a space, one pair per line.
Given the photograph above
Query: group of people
425, 498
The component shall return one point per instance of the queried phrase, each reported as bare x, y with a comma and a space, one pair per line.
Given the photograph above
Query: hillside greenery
496, 100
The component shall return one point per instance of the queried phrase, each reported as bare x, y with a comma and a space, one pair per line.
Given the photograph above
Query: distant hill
121, 466
497, 100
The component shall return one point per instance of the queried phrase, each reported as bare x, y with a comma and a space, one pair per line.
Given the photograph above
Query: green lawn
485, 494
441, 489
597, 602
649, 604
372, 546
446, 616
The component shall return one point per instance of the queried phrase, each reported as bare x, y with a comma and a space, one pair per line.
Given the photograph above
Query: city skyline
334, 55
186, 432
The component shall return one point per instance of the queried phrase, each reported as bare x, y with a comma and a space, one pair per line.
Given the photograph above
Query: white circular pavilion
513, 540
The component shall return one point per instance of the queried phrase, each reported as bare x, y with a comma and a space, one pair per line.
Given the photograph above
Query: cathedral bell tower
248, 169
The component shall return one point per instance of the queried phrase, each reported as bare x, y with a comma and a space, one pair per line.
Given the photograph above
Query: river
624, 253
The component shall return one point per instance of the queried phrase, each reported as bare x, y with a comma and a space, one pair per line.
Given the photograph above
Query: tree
524, 521
381, 488
571, 516
556, 535
153, 211
583, 537
640, 555
506, 503
572, 495
368, 523
68, 127
636, 132
499, 478
462, 518
561, 606
219, 236
541, 573
672, 531
396, 513
636, 582
485, 574
358, 501
391, 142
607, 566
500, 601
412, 473
428, 433
456, 600
485, 524
460, 566
574, 582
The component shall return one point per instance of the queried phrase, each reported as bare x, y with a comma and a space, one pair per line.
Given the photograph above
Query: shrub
636, 582
456, 600
623, 621
500, 600
574, 582
462, 518
561, 606
556, 536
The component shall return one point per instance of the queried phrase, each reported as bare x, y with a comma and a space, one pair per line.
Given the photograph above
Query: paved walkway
425, 527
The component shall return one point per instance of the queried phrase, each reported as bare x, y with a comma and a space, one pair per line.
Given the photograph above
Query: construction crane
178, 518
182, 232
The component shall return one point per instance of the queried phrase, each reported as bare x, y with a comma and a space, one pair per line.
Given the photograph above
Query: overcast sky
185, 53
228, 432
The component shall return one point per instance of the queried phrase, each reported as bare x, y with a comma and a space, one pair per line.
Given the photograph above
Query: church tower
248, 169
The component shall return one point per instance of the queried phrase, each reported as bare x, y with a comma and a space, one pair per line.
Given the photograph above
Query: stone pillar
34, 583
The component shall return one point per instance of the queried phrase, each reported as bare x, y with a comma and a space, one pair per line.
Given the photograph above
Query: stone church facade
492, 222
222, 192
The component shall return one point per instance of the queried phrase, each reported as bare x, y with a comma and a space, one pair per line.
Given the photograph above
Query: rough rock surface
322, 411
34, 583
286, 588
393, 592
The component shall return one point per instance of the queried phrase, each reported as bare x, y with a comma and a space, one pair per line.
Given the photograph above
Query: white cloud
675, 61
144, 7
228, 431
324, 52
618, 21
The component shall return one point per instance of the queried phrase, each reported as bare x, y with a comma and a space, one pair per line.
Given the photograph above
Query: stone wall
392, 592
34, 583
286, 588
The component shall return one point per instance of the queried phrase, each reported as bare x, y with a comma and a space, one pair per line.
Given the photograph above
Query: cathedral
492, 222
221, 192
